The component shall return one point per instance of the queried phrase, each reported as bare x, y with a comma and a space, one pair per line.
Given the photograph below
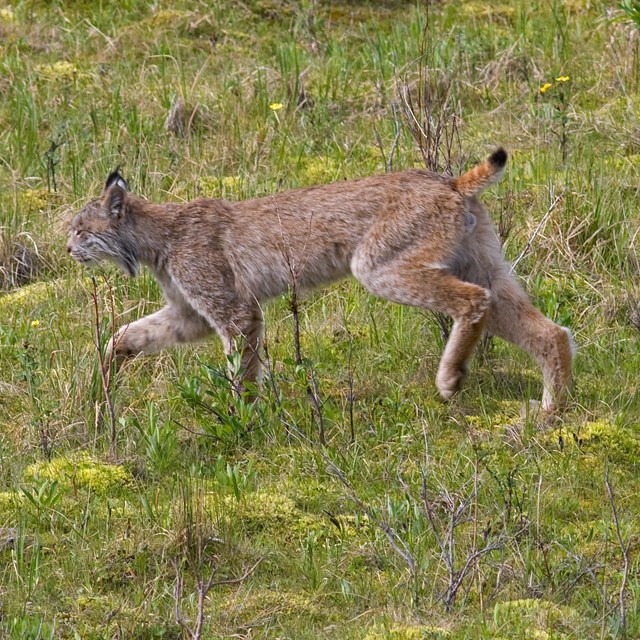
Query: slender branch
398, 544
104, 370
350, 383
625, 554
535, 232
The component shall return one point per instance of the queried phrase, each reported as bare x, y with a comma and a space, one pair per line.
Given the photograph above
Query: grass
367, 537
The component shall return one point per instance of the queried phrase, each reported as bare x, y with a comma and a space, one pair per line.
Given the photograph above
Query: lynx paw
449, 381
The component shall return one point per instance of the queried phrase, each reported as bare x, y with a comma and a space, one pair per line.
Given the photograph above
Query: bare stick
388, 160
535, 232
397, 543
105, 375
625, 554
350, 382
396, 139
294, 270
203, 587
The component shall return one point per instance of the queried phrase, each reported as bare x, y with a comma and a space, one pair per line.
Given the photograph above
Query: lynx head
100, 230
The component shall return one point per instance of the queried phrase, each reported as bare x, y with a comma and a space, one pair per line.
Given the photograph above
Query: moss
7, 16
257, 603
35, 292
320, 170
601, 441
536, 619
87, 611
9, 501
485, 10
26, 300
270, 512
36, 199
81, 471
312, 495
60, 70
407, 632
229, 187
175, 23
166, 18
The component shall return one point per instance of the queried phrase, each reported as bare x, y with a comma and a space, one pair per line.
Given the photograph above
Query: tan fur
413, 237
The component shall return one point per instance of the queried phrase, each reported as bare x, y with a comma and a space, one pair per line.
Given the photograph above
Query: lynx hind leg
411, 282
167, 327
513, 317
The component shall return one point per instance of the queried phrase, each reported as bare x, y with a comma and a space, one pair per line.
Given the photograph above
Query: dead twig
105, 366
387, 159
536, 231
294, 272
203, 587
625, 555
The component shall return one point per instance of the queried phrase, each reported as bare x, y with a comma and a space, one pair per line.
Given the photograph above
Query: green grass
94, 545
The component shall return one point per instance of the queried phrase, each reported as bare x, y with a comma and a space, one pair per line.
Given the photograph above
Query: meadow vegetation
168, 515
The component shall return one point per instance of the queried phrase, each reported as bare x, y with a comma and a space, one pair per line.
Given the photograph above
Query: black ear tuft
498, 158
116, 178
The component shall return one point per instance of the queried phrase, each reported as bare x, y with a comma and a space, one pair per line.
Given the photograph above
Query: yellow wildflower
35, 323
276, 106
563, 79
545, 87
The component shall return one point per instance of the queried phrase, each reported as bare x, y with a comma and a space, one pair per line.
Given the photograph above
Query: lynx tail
483, 175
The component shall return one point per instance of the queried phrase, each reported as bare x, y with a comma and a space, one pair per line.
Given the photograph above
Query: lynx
413, 237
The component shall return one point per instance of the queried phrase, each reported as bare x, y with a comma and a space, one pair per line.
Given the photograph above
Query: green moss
81, 471
484, 10
270, 512
35, 292
602, 441
36, 199
7, 16
312, 495
228, 187
320, 170
61, 70
28, 297
407, 632
9, 501
536, 619
166, 18
257, 603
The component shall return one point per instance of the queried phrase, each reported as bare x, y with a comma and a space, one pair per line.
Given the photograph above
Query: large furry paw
119, 349
449, 381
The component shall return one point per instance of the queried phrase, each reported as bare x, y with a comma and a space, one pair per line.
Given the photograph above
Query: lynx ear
116, 178
114, 200
115, 191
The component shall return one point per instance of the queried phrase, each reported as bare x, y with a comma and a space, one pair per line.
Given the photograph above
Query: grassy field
176, 518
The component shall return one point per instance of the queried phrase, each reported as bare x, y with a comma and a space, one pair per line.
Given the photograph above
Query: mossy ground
94, 534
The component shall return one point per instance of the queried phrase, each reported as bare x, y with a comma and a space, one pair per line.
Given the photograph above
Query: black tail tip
498, 158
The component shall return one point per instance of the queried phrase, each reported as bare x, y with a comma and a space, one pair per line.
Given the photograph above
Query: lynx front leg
243, 332
169, 326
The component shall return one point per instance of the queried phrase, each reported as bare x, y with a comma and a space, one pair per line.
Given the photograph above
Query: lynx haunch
412, 237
